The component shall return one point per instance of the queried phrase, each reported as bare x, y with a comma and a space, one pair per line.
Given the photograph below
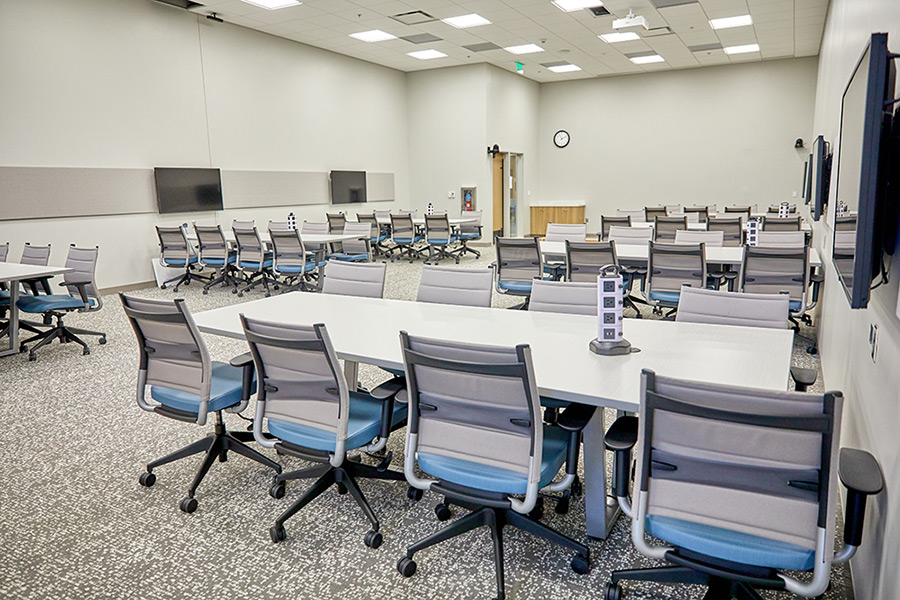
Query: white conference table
366, 330
640, 253
804, 226
454, 221
13, 273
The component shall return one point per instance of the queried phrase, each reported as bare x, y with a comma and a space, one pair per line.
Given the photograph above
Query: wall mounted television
863, 160
181, 189
806, 179
348, 187
820, 176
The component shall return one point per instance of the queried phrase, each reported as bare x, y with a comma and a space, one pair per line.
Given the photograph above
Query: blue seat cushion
349, 257
408, 240
496, 479
667, 297
180, 261
224, 392
794, 305
267, 264
217, 262
734, 546
515, 286
441, 241
469, 236
364, 425
41, 304
309, 266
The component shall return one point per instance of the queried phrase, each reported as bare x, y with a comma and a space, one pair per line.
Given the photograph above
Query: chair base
718, 588
465, 249
437, 253
62, 333
216, 447
224, 276
264, 277
345, 478
496, 519
185, 279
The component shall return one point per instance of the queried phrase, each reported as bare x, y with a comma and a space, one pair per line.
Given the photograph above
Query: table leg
601, 509
351, 372
13, 320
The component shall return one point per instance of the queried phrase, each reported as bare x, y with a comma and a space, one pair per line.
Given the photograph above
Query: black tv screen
187, 190
862, 170
807, 179
348, 187
820, 176
803, 193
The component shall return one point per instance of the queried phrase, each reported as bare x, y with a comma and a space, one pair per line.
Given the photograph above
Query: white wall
713, 135
133, 83
872, 390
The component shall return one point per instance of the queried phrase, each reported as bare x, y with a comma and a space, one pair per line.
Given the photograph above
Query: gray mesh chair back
354, 279
719, 307
300, 380
412, 213
630, 235
174, 247
474, 403
369, 218
651, 212
518, 259
710, 238
636, 215
289, 251
173, 354
732, 228
383, 214
38, 256
471, 227
314, 227
752, 462
702, 212
361, 245
336, 222
672, 266
463, 287
781, 239
577, 298
674, 209
584, 260
777, 271
561, 232
403, 230
83, 262
437, 229
250, 246
847, 223
278, 225
4, 251
775, 223
211, 240
608, 221
667, 226
776, 208
745, 210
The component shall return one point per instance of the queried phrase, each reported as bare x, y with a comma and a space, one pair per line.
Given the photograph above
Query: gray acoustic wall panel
253, 189
380, 187
40, 192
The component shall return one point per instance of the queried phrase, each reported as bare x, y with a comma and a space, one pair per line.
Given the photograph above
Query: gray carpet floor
74, 523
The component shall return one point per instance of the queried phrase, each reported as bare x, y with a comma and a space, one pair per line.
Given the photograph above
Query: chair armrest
817, 276
803, 378
245, 362
575, 417
621, 438
388, 389
861, 475
241, 360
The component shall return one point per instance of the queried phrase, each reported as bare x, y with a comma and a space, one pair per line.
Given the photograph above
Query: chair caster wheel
443, 512
85, 352
414, 494
537, 512
147, 479
268, 295
577, 488
373, 539
234, 291
188, 505
276, 288
277, 533
612, 591
406, 567
205, 292
580, 564
22, 347
32, 357
102, 341
342, 489
240, 294
162, 287
562, 505
277, 490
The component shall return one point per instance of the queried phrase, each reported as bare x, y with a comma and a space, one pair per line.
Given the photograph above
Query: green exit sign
520, 68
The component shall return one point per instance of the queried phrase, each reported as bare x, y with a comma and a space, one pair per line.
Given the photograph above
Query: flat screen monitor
181, 190
862, 173
348, 187
806, 178
820, 176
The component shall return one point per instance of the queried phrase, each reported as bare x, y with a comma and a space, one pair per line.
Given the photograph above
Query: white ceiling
782, 28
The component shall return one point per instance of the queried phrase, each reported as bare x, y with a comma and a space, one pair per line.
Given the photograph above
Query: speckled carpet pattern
75, 524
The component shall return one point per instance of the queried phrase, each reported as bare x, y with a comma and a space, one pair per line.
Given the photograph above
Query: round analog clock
561, 138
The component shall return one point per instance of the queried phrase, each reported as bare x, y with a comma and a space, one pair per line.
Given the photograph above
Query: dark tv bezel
819, 186
365, 190
877, 79
156, 171
807, 183
803, 193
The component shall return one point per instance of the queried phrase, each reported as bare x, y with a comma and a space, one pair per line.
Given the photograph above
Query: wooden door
497, 170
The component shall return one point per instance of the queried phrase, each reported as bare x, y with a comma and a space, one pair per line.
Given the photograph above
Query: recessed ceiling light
564, 68
273, 4
426, 54
524, 49
644, 60
375, 35
742, 49
729, 22
573, 5
612, 38
465, 21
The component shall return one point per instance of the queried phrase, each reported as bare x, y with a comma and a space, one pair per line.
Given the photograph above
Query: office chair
439, 236
365, 280
470, 231
847, 223
462, 287
38, 256
359, 250
562, 232
378, 233
776, 208
484, 447
518, 264
215, 252
175, 251
187, 385
778, 271
82, 296
651, 212
585, 261
775, 223
608, 221
781, 239
405, 236
674, 210
702, 212
732, 229
569, 297
292, 263
637, 236
747, 211
672, 266
665, 227
712, 239
336, 222
4, 290
254, 259
740, 486
636, 215
303, 398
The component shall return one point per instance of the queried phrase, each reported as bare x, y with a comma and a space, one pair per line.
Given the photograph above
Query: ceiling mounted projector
631, 22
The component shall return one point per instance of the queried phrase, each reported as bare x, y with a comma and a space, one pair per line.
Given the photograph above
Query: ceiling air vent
421, 38
185, 4
416, 17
